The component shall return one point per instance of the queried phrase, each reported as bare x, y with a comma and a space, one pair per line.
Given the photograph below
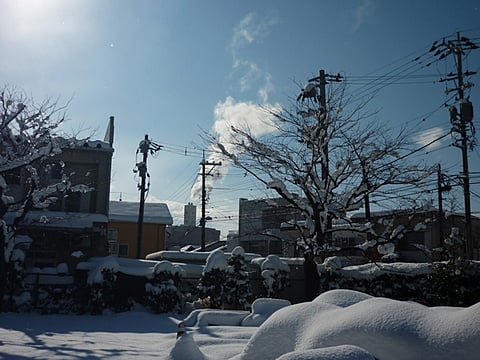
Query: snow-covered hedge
430, 284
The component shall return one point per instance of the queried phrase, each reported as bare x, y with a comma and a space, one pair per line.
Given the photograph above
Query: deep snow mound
342, 297
384, 328
343, 352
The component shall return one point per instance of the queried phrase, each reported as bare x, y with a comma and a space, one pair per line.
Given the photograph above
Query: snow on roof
136, 267
59, 219
154, 213
289, 261
94, 144
185, 256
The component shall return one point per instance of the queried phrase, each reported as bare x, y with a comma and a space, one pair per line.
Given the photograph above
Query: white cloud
362, 13
243, 115
426, 137
251, 29
266, 88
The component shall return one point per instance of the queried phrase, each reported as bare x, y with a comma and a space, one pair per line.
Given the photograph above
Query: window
113, 248
112, 234
123, 250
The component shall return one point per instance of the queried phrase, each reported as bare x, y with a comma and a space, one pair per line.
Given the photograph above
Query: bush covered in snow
14, 291
103, 292
274, 274
162, 294
238, 284
211, 287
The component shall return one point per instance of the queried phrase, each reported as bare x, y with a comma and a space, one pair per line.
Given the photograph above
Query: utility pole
460, 120
440, 189
320, 82
144, 147
204, 194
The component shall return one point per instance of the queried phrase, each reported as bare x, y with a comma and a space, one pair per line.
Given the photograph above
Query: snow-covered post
238, 283
275, 274
214, 276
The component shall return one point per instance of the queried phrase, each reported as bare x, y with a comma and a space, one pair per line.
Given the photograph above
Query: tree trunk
312, 279
3, 280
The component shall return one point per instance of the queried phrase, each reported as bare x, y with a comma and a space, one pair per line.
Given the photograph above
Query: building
74, 226
189, 234
259, 226
421, 232
190, 215
123, 228
180, 236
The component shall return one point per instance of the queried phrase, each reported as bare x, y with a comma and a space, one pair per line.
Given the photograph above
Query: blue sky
171, 69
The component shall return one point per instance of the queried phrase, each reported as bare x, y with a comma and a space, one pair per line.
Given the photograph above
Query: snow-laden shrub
14, 287
237, 286
274, 274
454, 281
213, 279
57, 300
162, 294
103, 291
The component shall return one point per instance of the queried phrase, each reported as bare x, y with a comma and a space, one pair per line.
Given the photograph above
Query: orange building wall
153, 237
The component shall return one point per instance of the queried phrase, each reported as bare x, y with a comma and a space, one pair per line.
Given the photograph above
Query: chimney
110, 131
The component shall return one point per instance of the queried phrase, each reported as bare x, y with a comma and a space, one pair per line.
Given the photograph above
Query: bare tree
323, 160
27, 141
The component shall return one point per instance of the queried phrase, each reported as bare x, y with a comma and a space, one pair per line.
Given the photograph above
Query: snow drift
383, 328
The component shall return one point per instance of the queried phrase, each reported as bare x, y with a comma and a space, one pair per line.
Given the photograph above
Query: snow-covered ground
338, 325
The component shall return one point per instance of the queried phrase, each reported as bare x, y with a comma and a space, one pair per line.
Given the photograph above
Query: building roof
154, 213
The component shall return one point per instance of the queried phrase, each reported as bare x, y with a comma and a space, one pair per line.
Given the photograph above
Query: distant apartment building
422, 232
259, 226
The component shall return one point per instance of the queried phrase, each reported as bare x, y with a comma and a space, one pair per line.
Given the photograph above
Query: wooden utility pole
204, 174
144, 147
323, 122
460, 119
441, 189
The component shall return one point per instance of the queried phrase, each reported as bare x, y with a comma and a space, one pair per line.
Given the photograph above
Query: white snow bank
342, 298
385, 328
221, 318
342, 352
206, 317
371, 271
262, 309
